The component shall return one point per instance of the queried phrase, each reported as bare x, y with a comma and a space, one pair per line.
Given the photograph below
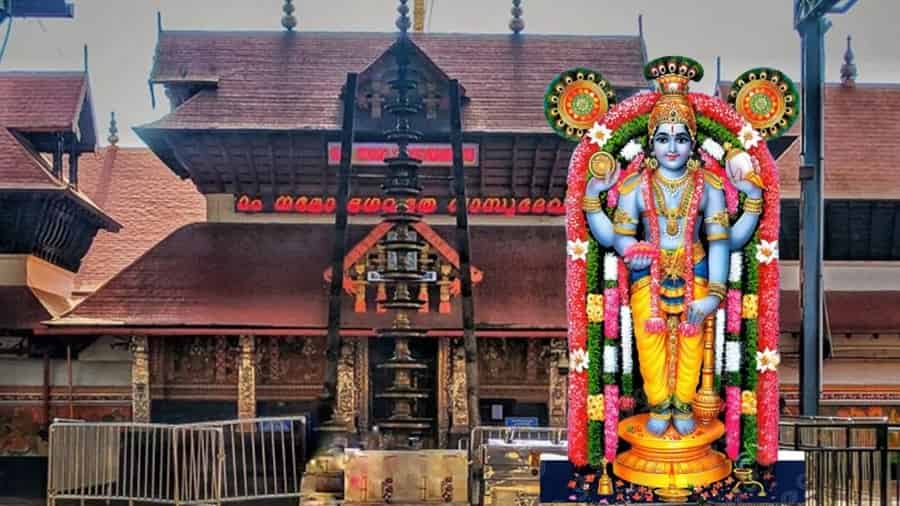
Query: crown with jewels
672, 75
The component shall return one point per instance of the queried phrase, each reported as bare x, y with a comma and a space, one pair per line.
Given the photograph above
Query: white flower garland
736, 267
610, 267
627, 339
733, 356
609, 359
631, 150
714, 149
720, 340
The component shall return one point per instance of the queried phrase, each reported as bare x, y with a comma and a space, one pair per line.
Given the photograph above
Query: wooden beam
273, 182
534, 168
481, 169
324, 181
292, 163
251, 162
226, 160
515, 165
462, 245
552, 172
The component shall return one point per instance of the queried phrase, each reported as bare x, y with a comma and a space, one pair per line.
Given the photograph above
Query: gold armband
718, 289
621, 217
719, 218
623, 231
720, 236
754, 206
591, 204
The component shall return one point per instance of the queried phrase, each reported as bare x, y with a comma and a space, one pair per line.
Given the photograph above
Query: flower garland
685, 328
719, 347
595, 351
655, 324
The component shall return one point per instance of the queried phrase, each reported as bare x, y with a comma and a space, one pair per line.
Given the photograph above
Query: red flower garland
687, 329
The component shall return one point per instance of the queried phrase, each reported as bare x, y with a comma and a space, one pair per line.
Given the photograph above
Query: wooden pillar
459, 400
140, 380
345, 405
444, 379
247, 378
557, 404
362, 383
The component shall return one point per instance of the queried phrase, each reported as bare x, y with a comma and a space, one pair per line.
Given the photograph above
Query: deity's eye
683, 138
661, 139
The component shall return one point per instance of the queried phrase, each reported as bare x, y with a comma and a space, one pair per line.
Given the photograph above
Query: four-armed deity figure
660, 198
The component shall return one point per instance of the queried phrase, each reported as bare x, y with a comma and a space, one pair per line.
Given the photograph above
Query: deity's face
672, 145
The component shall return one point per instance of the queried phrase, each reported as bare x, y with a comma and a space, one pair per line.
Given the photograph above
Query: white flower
767, 251
720, 340
627, 336
732, 356
748, 136
736, 267
609, 359
767, 360
610, 267
578, 360
714, 149
631, 150
599, 134
577, 249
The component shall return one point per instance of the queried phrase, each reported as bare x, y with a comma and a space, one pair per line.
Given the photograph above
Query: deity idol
672, 227
674, 195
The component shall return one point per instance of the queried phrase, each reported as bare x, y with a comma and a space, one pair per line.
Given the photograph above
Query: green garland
749, 443
595, 350
708, 127
596, 442
635, 129
750, 337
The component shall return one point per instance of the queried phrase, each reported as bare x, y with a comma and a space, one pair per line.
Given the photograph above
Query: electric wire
6, 38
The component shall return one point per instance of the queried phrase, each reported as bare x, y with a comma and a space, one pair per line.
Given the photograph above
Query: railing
849, 461
207, 463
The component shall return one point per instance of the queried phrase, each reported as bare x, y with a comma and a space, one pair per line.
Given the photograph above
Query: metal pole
340, 238
812, 34
462, 243
69, 373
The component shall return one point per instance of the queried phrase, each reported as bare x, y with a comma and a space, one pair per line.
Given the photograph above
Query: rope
6, 38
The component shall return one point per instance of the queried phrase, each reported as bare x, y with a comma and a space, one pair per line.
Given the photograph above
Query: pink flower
611, 424
733, 321
611, 313
732, 422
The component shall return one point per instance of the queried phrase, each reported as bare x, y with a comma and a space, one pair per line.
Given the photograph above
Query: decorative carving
362, 383
557, 405
291, 360
444, 378
531, 360
221, 359
274, 356
459, 403
140, 380
247, 378
345, 409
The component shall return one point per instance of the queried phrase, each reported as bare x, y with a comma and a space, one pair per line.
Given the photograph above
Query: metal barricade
849, 461
204, 463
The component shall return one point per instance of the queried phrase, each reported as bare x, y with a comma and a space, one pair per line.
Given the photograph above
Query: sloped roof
278, 80
269, 275
42, 101
136, 187
21, 167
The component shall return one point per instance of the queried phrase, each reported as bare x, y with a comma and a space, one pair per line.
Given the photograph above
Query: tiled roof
861, 150
42, 101
22, 168
278, 80
148, 200
22, 309
270, 275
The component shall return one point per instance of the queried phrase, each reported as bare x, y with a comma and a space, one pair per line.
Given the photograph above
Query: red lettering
539, 206
389, 205
354, 206
475, 206
490, 205
256, 205
329, 206
556, 207
243, 203
371, 205
524, 206
451, 206
428, 206
284, 204
509, 207
315, 205
300, 204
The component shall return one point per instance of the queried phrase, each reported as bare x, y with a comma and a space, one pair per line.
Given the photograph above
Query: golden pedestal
655, 461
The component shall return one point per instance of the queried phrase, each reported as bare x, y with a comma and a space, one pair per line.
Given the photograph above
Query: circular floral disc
575, 100
767, 99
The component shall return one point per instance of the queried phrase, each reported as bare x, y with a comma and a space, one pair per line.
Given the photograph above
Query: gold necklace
674, 214
673, 185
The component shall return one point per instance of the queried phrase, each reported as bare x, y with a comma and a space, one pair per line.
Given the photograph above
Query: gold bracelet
721, 236
754, 206
718, 290
623, 231
591, 205
719, 218
621, 217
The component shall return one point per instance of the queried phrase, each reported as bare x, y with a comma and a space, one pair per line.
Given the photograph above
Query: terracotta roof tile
148, 200
41, 101
270, 275
21, 309
21, 168
274, 80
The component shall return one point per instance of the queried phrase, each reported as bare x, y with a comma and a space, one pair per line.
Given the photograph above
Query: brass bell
605, 486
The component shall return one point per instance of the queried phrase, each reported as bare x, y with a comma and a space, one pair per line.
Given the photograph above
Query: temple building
133, 280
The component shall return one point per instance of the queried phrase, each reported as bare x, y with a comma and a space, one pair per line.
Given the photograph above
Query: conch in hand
743, 167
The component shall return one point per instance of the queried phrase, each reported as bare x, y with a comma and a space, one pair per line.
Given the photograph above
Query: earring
651, 163
693, 164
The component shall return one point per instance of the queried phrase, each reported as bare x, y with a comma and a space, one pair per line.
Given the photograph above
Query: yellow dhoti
669, 363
